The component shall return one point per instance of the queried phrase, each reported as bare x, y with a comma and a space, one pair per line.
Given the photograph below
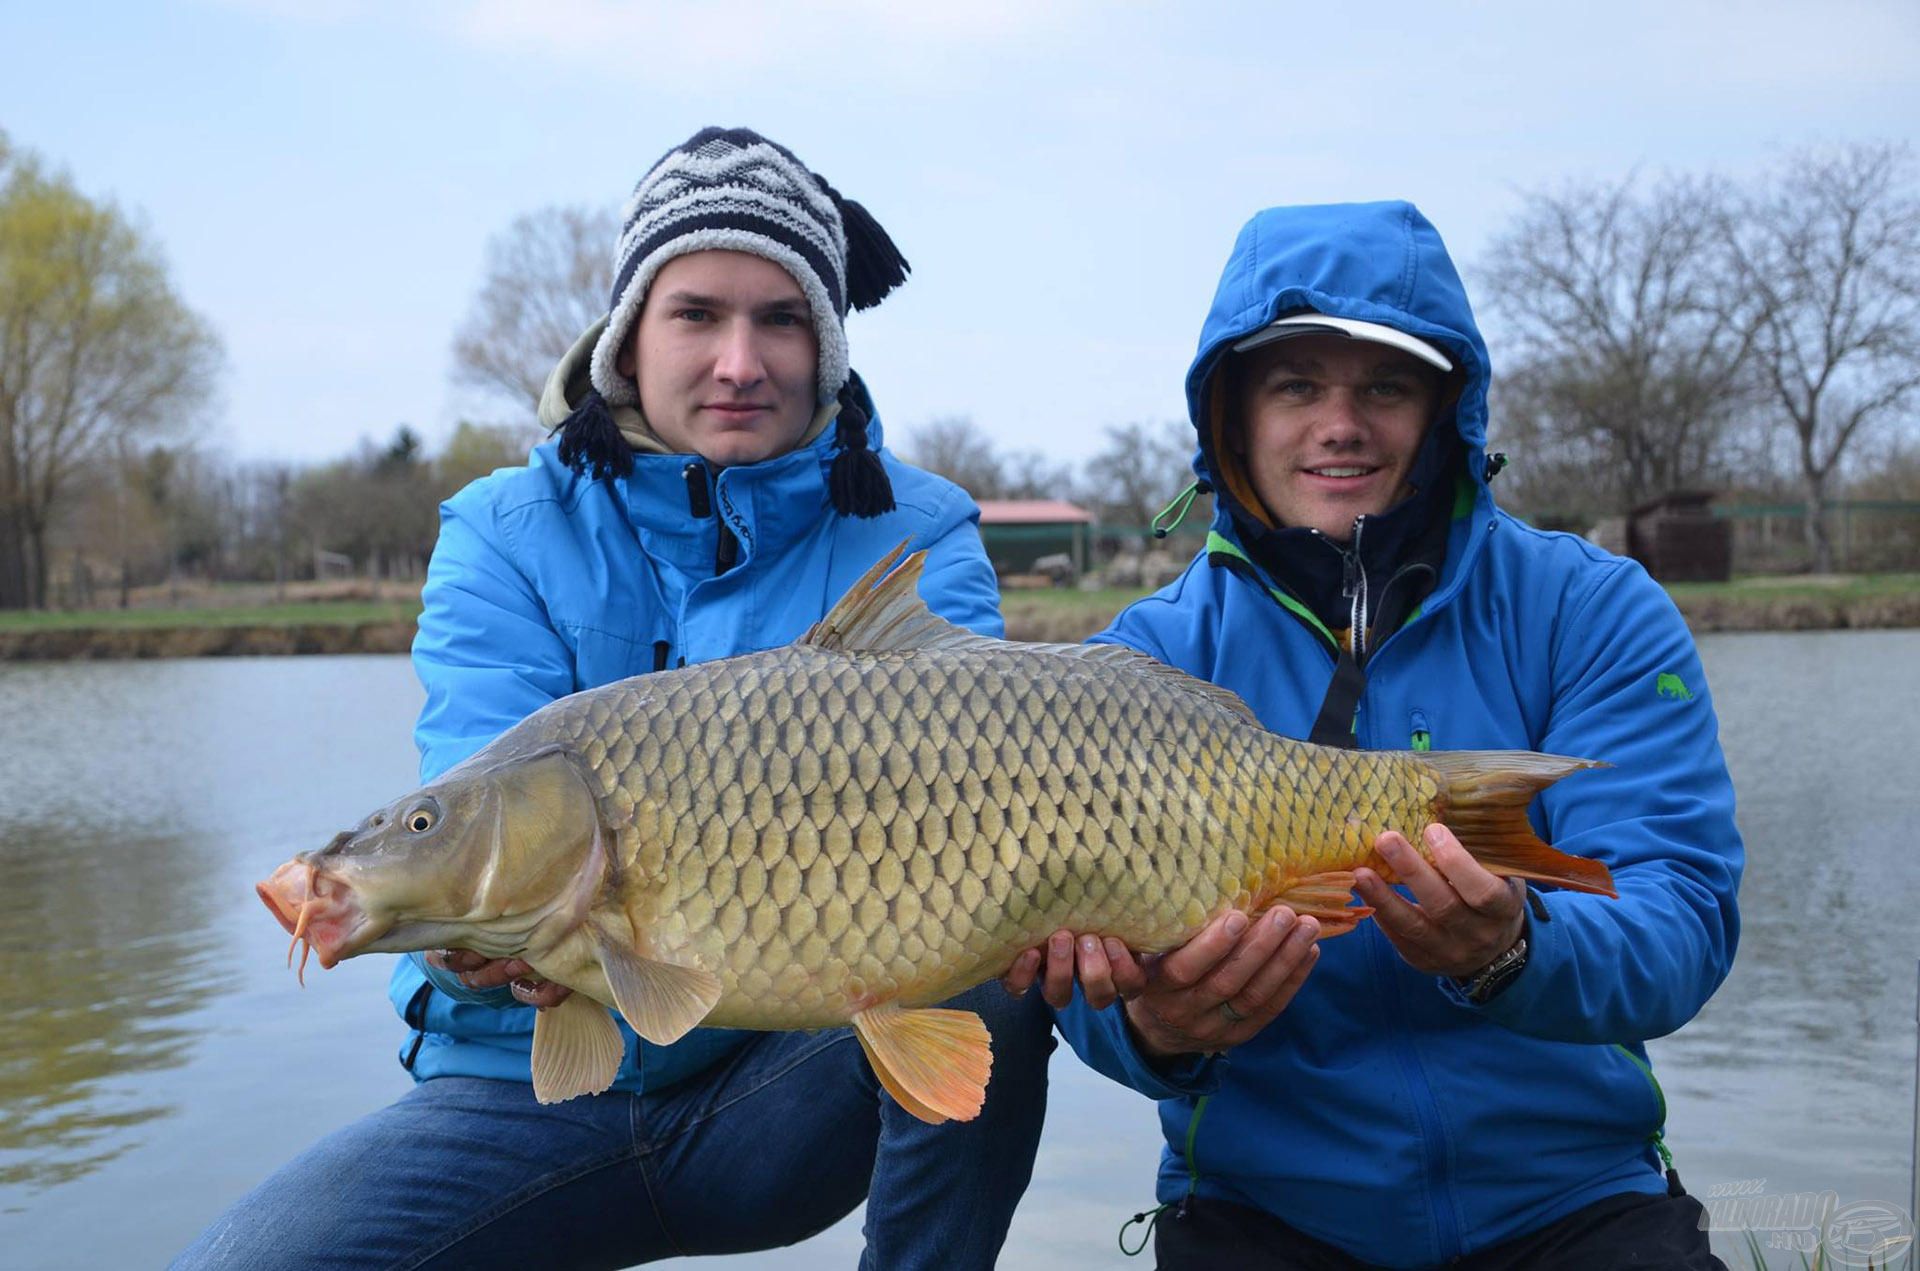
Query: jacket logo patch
1670, 685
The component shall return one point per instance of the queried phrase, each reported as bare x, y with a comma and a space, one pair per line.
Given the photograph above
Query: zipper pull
698, 502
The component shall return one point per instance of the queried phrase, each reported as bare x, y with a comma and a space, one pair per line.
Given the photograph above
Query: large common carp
868, 821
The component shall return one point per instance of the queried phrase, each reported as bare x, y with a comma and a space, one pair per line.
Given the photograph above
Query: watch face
1498, 974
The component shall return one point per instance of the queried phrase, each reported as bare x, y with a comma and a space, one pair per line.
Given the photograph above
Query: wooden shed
1679, 539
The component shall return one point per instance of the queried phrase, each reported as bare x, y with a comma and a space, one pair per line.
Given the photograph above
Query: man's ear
625, 362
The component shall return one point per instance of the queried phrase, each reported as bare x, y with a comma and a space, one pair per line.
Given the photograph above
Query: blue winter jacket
1382, 1112
545, 583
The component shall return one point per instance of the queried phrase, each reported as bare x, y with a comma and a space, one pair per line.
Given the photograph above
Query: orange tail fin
1485, 805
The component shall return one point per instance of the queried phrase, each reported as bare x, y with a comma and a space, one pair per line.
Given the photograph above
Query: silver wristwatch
1486, 984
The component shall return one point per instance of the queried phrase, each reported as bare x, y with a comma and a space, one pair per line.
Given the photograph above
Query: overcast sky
1066, 178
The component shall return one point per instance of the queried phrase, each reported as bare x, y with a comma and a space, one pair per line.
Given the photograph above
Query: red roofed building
1018, 532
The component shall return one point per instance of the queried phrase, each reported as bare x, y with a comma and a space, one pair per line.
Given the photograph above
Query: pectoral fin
576, 1050
934, 1062
661, 1001
1326, 897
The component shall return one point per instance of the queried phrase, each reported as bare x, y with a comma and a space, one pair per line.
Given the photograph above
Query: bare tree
94, 345
1624, 344
548, 277
1033, 474
1831, 248
957, 449
1139, 470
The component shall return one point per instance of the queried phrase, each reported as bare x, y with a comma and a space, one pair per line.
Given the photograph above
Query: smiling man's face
1329, 427
725, 356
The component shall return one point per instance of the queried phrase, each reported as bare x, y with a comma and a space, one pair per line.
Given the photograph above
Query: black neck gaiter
1322, 573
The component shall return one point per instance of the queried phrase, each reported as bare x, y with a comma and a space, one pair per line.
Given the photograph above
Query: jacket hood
1376, 262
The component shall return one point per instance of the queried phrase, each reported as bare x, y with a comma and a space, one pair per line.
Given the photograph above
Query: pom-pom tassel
874, 265
590, 442
857, 482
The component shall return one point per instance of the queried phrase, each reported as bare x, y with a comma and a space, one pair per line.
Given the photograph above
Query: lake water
157, 1058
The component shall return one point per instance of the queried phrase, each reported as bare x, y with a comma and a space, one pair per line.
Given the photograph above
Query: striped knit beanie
730, 189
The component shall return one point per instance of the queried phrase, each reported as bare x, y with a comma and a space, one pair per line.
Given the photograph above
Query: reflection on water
1800, 1070
150, 1017
105, 948
137, 802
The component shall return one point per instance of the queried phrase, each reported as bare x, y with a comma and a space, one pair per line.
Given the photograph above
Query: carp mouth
319, 911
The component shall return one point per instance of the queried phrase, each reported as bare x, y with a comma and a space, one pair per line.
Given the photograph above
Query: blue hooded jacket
1382, 1112
544, 583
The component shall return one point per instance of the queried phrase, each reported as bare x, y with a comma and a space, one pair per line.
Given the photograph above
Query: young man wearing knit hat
717, 482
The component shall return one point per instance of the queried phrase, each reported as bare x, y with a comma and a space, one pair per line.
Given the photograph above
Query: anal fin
934, 1062
576, 1050
1327, 898
661, 1001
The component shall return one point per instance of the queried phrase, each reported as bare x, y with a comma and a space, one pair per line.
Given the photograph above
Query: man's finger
1194, 960
1129, 976
1264, 994
1429, 886
1477, 886
1021, 975
1262, 939
1058, 985
1095, 972
1401, 921
539, 993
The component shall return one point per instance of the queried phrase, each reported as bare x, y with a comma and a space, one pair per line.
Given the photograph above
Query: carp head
482, 859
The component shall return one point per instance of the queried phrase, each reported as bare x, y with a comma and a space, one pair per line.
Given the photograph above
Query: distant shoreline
1055, 616
93, 644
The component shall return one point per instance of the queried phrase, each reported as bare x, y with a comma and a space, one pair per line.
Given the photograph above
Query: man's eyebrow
1296, 365
792, 304
692, 300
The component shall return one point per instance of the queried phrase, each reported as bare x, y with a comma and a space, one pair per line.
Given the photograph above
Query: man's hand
477, 971
1464, 917
1212, 993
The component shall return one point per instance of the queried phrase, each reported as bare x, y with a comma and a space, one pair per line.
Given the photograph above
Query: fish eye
422, 818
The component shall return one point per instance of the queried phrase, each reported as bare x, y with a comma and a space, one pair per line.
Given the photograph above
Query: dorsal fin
883, 613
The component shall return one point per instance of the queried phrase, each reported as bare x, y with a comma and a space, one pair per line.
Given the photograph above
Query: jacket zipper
726, 552
1353, 586
1423, 1104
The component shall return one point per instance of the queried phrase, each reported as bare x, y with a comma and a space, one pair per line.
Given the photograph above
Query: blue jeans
777, 1142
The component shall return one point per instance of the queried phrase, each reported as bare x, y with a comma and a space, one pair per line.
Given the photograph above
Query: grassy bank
1792, 603
245, 630
385, 625
342, 613
1801, 602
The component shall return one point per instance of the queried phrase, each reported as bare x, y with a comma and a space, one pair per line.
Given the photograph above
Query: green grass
1801, 587
331, 613
1052, 606
1112, 599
